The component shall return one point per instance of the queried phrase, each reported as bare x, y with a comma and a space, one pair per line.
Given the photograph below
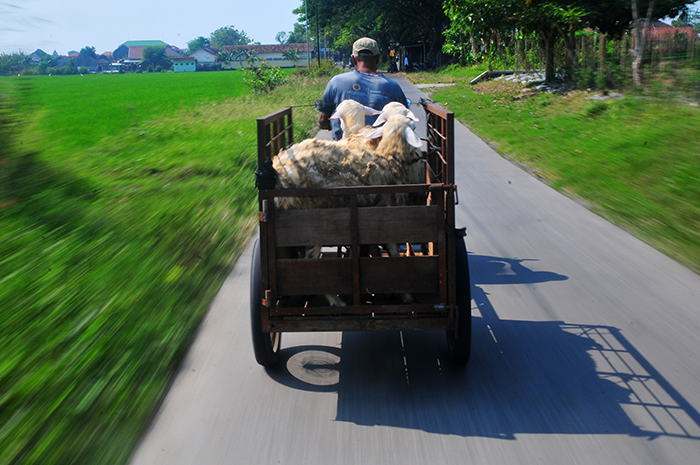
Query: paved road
585, 351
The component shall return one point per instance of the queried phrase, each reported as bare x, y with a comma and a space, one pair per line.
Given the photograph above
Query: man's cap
365, 47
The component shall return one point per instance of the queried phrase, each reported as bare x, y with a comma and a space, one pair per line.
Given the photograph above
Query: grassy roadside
117, 228
635, 160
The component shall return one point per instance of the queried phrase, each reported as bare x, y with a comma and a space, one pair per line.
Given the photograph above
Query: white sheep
394, 108
316, 163
351, 114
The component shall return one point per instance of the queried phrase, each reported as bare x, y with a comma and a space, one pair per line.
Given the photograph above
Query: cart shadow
524, 377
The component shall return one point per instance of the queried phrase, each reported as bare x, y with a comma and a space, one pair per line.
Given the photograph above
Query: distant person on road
363, 85
405, 64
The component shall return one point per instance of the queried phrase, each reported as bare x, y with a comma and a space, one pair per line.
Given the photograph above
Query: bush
263, 79
325, 69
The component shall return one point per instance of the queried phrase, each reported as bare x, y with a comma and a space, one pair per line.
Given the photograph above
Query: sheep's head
395, 108
352, 116
397, 135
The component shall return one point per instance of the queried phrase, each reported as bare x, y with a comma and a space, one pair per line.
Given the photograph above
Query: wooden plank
376, 275
318, 276
383, 225
363, 311
323, 226
402, 274
374, 324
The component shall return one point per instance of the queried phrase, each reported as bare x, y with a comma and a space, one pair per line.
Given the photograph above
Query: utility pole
306, 13
318, 38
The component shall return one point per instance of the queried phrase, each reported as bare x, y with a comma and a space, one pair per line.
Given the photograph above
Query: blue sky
64, 25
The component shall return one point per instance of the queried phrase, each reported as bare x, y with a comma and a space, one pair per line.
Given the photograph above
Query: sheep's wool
355, 161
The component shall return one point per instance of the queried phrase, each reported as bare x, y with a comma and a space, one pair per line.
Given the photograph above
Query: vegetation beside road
124, 202
634, 160
126, 199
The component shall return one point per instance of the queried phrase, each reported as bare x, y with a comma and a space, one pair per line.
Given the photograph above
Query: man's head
365, 55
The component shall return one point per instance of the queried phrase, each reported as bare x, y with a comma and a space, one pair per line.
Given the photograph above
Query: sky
65, 25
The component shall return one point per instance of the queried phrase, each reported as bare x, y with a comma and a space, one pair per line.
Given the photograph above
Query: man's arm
324, 121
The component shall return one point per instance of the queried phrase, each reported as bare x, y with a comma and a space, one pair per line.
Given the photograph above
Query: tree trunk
476, 49
549, 37
640, 36
571, 61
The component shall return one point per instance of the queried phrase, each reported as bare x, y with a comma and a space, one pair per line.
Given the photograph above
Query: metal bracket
264, 213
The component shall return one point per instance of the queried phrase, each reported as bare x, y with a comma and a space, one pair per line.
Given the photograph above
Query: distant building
273, 54
37, 56
133, 49
184, 64
207, 59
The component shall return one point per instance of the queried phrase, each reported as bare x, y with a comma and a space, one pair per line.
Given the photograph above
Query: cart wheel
459, 342
265, 345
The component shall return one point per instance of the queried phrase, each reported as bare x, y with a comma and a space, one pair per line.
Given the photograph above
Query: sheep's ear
411, 116
381, 119
337, 115
369, 111
376, 134
413, 139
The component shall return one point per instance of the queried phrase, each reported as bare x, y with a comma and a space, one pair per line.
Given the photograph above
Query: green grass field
124, 202
126, 199
634, 160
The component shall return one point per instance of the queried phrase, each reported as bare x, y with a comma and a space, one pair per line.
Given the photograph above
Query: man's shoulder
344, 77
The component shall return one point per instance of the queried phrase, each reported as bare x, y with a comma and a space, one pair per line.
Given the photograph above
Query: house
104, 62
184, 64
660, 30
207, 59
133, 49
274, 55
37, 56
86, 61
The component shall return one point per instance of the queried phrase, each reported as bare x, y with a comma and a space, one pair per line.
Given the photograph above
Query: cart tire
265, 345
459, 342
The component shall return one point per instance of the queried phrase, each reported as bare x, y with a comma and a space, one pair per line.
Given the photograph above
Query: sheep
351, 114
394, 108
316, 163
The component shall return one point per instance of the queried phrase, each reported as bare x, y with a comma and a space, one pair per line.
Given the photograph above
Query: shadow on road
524, 377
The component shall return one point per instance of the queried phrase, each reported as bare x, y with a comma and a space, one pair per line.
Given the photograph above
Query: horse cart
286, 289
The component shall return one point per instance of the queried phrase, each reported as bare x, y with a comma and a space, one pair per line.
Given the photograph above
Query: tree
386, 21
197, 44
688, 19
291, 55
298, 35
228, 36
47, 62
153, 54
474, 22
88, 51
550, 20
14, 63
281, 37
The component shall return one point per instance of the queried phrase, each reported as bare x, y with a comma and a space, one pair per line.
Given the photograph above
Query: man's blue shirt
372, 90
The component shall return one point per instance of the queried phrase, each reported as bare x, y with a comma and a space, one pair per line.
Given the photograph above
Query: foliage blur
114, 237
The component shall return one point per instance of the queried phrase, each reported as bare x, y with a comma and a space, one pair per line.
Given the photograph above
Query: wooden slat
377, 225
383, 225
363, 311
317, 276
404, 324
401, 274
377, 275
328, 226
